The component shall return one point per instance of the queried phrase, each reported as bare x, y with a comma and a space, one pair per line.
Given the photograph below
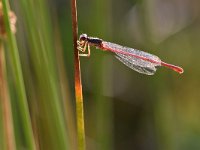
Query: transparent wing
137, 60
136, 64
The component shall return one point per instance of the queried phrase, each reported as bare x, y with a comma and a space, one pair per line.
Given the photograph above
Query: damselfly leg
84, 48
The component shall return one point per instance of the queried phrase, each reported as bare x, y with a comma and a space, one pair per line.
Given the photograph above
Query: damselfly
137, 60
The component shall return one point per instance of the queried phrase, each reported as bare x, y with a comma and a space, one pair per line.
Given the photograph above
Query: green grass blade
5, 104
46, 98
19, 83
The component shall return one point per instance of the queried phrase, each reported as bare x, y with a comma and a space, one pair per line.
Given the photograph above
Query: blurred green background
123, 109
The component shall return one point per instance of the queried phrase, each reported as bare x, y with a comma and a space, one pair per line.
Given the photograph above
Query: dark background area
128, 110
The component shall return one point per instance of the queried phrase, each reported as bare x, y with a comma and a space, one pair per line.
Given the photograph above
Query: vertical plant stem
78, 84
19, 83
5, 103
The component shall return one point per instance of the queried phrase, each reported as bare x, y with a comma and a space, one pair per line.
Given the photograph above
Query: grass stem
19, 82
78, 84
5, 103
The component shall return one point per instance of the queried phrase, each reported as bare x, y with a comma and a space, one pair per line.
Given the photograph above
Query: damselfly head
83, 37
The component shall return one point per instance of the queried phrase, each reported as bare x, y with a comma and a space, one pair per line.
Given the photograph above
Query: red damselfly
137, 60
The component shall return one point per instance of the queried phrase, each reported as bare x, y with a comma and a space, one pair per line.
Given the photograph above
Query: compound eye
83, 37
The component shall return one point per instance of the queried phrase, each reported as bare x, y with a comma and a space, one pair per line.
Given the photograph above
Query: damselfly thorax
85, 42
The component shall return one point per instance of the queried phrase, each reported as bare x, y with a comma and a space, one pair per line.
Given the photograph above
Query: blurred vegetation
123, 109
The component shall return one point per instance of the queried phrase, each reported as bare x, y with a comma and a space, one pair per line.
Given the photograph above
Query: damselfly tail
173, 67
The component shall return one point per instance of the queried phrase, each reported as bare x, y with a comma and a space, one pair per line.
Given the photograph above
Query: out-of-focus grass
43, 88
8, 138
42, 82
23, 112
